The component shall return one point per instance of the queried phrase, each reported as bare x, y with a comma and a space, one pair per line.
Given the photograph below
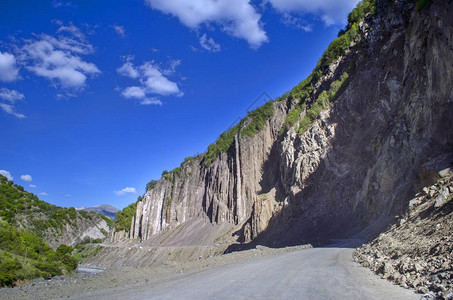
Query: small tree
150, 185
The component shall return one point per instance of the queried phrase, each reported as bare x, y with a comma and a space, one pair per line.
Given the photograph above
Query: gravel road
319, 273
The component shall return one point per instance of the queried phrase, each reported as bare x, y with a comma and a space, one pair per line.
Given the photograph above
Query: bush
254, 121
337, 47
363, 8
23, 255
72, 213
188, 161
85, 214
150, 185
283, 97
257, 118
291, 118
107, 220
222, 144
323, 101
49, 268
176, 171
124, 217
63, 249
166, 175
70, 262
8, 269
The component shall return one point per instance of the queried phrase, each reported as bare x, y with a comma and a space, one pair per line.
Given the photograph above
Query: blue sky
99, 97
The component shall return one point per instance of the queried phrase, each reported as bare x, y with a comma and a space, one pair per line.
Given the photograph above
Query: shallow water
89, 270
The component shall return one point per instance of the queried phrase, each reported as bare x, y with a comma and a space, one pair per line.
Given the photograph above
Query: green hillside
26, 222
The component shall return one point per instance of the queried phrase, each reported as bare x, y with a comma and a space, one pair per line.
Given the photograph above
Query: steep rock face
357, 165
360, 161
221, 192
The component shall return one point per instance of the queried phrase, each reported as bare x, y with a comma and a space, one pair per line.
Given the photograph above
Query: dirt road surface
318, 273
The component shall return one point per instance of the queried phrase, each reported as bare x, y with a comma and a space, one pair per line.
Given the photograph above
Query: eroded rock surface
417, 251
354, 169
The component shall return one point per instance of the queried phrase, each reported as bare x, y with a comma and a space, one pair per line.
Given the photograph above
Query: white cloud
152, 80
56, 3
209, 44
9, 109
58, 59
156, 82
43, 194
26, 178
119, 30
291, 20
149, 101
134, 92
126, 190
6, 174
10, 95
72, 30
236, 17
329, 11
32, 186
172, 64
8, 69
128, 70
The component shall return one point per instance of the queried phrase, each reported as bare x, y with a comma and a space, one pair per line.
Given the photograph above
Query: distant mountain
105, 209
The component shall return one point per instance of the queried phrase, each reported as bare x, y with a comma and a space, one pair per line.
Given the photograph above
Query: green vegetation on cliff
338, 47
124, 217
248, 126
150, 185
322, 102
23, 253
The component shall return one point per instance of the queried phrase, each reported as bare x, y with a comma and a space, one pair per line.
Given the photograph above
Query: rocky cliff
356, 166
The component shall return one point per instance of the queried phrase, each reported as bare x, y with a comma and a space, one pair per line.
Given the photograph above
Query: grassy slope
26, 222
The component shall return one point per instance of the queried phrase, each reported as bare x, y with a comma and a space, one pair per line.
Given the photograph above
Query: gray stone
418, 268
442, 197
38, 280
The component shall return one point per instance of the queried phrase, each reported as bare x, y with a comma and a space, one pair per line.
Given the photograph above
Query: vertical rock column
239, 203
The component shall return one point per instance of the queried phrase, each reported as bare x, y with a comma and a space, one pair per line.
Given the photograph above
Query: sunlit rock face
357, 165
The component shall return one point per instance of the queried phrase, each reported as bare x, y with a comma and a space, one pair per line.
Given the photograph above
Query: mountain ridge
104, 209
